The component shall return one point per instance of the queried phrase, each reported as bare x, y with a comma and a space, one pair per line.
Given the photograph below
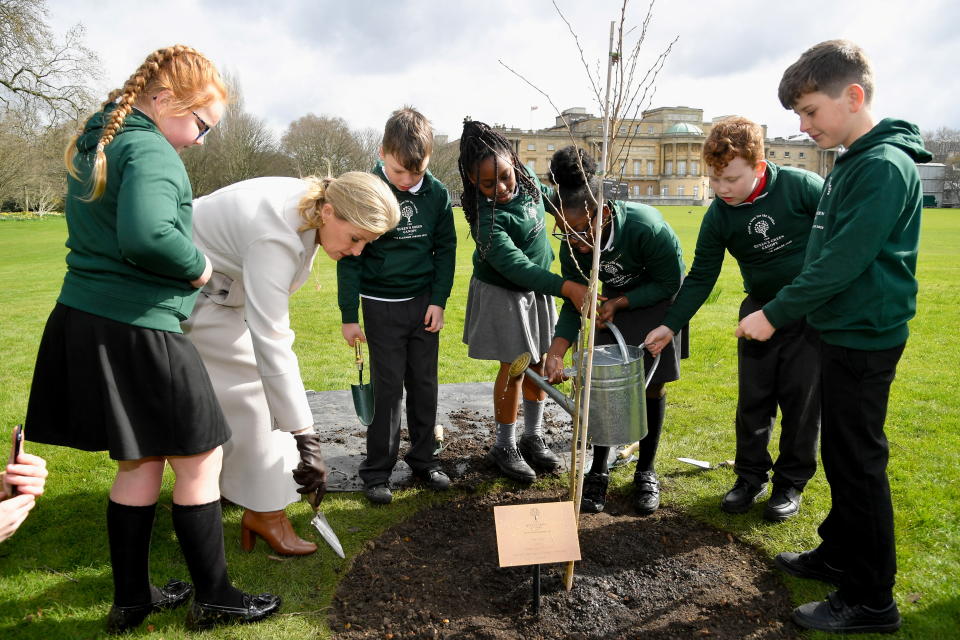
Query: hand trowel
320, 522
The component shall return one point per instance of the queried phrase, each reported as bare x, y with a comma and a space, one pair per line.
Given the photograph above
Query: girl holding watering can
641, 269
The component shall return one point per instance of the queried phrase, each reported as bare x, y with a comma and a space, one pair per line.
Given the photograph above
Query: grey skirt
501, 324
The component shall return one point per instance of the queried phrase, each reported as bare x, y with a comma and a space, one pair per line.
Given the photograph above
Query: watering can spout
521, 366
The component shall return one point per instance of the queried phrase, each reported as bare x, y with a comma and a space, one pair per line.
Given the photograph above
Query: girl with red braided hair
114, 371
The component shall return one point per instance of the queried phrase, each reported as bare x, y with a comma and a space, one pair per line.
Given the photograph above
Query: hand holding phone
17, 446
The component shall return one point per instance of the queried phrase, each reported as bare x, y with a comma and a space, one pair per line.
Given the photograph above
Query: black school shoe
378, 493
784, 503
433, 479
742, 496
646, 492
511, 463
809, 565
174, 594
594, 495
537, 454
255, 608
833, 615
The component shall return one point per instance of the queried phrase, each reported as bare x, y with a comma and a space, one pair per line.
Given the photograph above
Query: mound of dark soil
660, 576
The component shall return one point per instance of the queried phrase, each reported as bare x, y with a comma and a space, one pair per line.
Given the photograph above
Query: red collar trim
756, 192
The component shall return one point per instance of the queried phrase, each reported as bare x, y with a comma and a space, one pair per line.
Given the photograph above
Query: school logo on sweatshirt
760, 224
407, 229
408, 210
613, 272
763, 225
530, 210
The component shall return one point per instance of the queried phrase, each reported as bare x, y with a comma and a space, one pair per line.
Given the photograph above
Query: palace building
656, 158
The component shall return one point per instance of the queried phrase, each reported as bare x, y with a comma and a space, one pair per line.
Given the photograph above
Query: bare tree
312, 141
443, 166
240, 147
41, 75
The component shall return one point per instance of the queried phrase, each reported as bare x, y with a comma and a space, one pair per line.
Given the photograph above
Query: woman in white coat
261, 236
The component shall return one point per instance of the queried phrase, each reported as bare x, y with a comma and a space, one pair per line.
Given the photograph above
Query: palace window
531, 146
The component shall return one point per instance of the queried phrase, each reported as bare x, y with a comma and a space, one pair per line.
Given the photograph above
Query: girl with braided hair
510, 307
113, 370
641, 268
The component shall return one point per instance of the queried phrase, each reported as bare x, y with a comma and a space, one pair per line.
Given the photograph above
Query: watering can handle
569, 372
653, 367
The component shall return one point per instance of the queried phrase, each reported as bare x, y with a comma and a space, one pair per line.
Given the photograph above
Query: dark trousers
783, 371
403, 356
858, 532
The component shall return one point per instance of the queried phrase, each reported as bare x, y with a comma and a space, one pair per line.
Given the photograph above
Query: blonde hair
182, 70
360, 198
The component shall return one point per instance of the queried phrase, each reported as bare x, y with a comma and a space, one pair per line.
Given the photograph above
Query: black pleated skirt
103, 385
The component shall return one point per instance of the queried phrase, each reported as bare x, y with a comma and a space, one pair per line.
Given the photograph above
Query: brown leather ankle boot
276, 530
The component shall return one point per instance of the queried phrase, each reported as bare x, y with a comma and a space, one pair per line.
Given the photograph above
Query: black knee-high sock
600, 455
199, 529
128, 532
647, 451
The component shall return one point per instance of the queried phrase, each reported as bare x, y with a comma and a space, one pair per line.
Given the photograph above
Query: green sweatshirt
513, 250
131, 257
858, 284
643, 261
415, 257
767, 237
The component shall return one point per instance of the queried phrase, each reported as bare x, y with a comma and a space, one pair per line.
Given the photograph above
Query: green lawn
55, 576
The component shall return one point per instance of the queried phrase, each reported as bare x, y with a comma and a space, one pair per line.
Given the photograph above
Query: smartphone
11, 489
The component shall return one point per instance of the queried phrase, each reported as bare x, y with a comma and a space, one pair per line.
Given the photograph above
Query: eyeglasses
583, 236
201, 125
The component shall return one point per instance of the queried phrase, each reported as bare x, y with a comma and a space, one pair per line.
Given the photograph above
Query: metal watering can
617, 400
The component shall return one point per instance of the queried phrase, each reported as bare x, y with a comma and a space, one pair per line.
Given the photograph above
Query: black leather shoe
433, 479
174, 594
255, 607
378, 493
594, 492
836, 616
784, 503
808, 564
646, 492
537, 454
742, 496
511, 463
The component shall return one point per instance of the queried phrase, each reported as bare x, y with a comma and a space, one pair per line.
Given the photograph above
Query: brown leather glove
311, 473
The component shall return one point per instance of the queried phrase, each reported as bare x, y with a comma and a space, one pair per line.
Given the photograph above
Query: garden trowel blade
326, 532
703, 464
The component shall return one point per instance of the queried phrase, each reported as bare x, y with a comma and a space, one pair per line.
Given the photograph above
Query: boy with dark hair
858, 289
762, 215
403, 281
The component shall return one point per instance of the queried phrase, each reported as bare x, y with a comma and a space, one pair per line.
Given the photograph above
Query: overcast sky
361, 59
